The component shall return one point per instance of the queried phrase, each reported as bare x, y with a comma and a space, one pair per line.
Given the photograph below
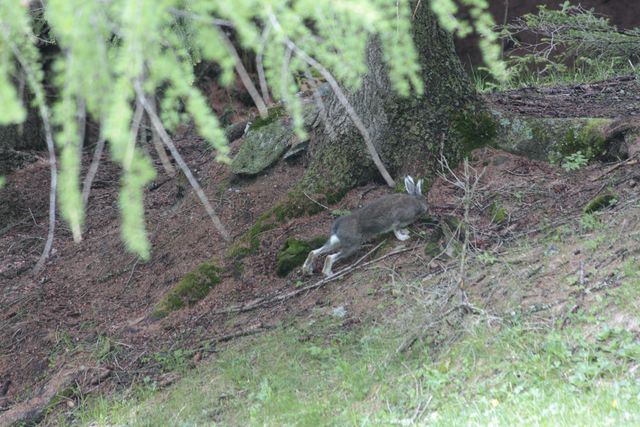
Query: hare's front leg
331, 244
402, 234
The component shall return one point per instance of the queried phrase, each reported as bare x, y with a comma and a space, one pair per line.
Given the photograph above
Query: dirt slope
89, 310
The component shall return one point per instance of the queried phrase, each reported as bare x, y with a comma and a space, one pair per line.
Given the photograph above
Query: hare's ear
409, 185
419, 188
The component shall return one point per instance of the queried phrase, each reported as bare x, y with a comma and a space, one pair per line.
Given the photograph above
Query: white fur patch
334, 239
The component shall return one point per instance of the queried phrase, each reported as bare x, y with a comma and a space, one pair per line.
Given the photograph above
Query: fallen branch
465, 307
32, 410
261, 302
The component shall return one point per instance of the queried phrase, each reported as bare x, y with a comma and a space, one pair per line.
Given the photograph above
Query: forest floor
85, 322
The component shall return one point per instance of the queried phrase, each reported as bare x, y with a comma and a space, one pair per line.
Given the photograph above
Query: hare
388, 213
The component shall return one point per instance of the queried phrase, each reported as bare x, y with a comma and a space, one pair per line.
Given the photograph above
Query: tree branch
53, 164
93, 169
162, 133
342, 98
244, 76
261, 77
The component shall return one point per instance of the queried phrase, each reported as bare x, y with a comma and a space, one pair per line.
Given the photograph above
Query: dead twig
260, 302
43, 110
157, 124
93, 170
315, 201
264, 88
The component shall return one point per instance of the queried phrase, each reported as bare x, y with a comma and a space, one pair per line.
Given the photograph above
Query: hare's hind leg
328, 262
331, 244
402, 234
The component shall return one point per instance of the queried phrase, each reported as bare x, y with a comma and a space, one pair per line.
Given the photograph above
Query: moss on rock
193, 287
273, 114
599, 203
588, 139
474, 129
294, 252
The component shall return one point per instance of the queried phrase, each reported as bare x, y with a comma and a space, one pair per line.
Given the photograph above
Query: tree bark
408, 133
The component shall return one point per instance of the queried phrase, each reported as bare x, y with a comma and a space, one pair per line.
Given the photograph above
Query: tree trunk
408, 133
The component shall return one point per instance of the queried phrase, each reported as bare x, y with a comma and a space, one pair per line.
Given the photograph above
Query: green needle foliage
108, 49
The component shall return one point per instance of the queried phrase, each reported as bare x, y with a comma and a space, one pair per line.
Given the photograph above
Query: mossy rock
294, 252
599, 203
273, 114
193, 287
261, 148
268, 139
552, 139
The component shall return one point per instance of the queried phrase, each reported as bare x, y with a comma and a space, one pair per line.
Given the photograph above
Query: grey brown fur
388, 213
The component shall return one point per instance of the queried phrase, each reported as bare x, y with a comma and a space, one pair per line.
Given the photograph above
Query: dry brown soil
56, 321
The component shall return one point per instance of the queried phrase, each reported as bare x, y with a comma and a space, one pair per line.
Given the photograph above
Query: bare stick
244, 76
261, 77
343, 100
53, 164
162, 133
133, 133
242, 72
93, 169
315, 201
157, 144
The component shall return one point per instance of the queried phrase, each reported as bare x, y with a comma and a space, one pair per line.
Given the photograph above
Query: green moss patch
475, 130
294, 252
193, 287
250, 242
498, 213
273, 114
589, 140
599, 203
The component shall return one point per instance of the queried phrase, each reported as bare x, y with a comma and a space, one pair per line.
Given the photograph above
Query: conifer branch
93, 169
264, 88
164, 136
53, 163
341, 98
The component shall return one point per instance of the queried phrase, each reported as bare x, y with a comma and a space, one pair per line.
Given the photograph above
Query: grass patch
318, 374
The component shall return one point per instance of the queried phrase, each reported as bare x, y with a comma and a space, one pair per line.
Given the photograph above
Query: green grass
319, 374
558, 75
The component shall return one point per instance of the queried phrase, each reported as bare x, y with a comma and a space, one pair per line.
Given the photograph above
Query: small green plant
590, 222
499, 214
631, 268
176, 360
340, 212
593, 244
574, 161
487, 258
